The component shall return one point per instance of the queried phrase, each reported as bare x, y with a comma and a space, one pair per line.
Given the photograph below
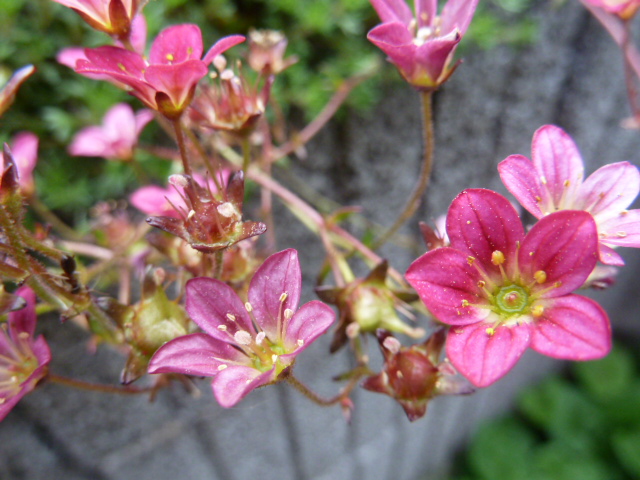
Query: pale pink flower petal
221, 46
610, 190
234, 383
622, 230
483, 359
557, 160
197, 354
217, 309
520, 178
269, 303
393, 11
176, 44
572, 328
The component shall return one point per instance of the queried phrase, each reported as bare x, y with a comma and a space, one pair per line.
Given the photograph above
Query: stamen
300, 342
231, 317
248, 307
222, 367
243, 337
288, 313
170, 57
490, 331
392, 344
540, 276
222, 328
497, 257
260, 338
284, 296
537, 311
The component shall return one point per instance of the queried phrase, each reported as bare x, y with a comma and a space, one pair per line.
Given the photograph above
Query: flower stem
425, 172
629, 73
97, 387
182, 146
357, 374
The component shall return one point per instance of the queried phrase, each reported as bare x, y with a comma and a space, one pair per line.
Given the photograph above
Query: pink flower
245, 345
8, 92
503, 291
23, 359
116, 138
625, 9
169, 202
113, 17
166, 82
421, 46
24, 148
553, 180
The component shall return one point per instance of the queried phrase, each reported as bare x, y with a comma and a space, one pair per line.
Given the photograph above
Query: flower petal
232, 384
221, 46
444, 280
558, 162
279, 274
312, 320
24, 320
177, 81
216, 308
176, 44
564, 245
479, 222
574, 328
623, 230
610, 190
197, 354
520, 178
457, 14
483, 358
393, 11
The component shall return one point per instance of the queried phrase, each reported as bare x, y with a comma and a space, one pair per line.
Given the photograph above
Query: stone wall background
572, 76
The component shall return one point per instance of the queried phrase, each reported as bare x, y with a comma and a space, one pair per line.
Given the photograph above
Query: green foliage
583, 427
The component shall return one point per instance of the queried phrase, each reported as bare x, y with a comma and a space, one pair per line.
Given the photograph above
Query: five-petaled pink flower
23, 359
245, 345
421, 46
553, 180
113, 17
24, 149
116, 138
503, 291
166, 82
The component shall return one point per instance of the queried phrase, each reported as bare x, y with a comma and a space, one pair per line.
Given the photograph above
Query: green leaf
560, 461
626, 447
502, 450
609, 377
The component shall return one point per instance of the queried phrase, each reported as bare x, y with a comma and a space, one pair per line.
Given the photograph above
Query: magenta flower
24, 149
8, 91
245, 345
503, 291
421, 46
23, 359
113, 17
116, 138
553, 180
166, 82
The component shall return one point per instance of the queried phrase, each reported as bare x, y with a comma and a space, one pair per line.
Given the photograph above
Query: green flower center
511, 300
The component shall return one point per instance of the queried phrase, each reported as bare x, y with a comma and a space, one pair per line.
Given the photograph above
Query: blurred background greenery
328, 36
582, 425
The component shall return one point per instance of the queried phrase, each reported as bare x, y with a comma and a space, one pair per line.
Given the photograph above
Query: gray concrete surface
571, 76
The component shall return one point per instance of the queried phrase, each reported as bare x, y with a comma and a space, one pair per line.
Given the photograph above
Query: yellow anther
283, 297
540, 276
538, 199
497, 257
465, 303
537, 311
170, 57
490, 331
470, 260
468, 222
566, 183
481, 284
557, 284
222, 367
